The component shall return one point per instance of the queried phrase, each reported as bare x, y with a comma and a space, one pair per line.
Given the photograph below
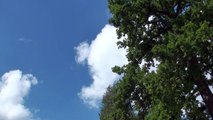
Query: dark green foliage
178, 34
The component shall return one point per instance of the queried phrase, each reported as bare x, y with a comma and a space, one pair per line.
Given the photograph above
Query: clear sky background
55, 58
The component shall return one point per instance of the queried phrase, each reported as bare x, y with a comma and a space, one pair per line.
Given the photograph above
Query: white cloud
26, 40
82, 52
152, 68
101, 55
14, 86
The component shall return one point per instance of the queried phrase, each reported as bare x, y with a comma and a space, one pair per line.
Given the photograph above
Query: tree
179, 35
121, 103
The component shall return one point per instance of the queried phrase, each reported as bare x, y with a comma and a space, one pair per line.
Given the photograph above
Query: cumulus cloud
14, 86
82, 52
101, 55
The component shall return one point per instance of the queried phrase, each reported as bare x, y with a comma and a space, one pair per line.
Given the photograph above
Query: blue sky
39, 37
55, 59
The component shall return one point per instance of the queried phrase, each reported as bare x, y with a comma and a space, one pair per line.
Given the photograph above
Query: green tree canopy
179, 35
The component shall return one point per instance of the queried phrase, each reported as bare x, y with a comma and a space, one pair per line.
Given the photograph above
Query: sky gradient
38, 49
56, 59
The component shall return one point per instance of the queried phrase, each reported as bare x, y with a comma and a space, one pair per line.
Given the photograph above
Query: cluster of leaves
179, 35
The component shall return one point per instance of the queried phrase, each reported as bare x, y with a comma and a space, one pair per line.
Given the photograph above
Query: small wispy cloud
26, 40
14, 87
